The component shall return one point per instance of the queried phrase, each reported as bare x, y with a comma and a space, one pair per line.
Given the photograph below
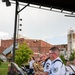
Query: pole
15, 28
11, 72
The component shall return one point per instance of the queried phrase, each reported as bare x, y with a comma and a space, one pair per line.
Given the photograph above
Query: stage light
7, 2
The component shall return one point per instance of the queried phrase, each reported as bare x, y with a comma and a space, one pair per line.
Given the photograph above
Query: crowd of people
51, 64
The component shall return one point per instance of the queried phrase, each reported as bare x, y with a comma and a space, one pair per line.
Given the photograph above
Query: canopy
68, 5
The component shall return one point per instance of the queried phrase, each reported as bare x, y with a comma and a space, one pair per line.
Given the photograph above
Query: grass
4, 68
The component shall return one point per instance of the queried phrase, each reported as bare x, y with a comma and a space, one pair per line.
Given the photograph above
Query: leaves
23, 54
72, 56
63, 59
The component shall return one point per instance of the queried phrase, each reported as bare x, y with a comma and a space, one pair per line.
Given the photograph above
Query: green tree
72, 56
63, 59
22, 54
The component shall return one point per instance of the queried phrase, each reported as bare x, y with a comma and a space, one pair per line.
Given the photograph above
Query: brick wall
38, 46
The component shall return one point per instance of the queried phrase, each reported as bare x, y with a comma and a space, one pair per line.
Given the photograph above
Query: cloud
57, 39
4, 35
63, 34
54, 36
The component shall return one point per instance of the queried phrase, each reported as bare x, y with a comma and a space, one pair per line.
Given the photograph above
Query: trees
22, 54
63, 59
72, 56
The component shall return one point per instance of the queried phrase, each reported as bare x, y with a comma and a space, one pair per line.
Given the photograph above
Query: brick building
38, 46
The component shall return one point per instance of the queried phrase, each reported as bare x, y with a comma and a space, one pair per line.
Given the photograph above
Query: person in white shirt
57, 66
68, 68
47, 64
31, 68
72, 66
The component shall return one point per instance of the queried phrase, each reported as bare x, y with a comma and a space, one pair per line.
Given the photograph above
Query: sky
49, 26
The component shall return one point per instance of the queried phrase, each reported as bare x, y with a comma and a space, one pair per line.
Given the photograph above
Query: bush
22, 54
63, 59
72, 56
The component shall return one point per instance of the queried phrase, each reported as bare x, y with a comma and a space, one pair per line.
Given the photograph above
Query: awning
68, 5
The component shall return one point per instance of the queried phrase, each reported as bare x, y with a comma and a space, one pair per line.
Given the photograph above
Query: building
38, 46
66, 49
71, 41
63, 49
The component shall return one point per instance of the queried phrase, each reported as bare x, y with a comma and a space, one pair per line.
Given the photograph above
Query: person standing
42, 58
47, 64
38, 68
57, 66
72, 66
68, 68
31, 68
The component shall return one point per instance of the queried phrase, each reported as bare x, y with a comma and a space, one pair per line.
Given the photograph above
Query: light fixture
7, 2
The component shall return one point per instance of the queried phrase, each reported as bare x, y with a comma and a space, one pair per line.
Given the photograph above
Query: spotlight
7, 2
3, 0
20, 29
20, 19
20, 24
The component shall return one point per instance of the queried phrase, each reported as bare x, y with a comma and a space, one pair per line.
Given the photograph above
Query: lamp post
15, 27
11, 72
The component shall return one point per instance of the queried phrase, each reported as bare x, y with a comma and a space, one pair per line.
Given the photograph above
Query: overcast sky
36, 24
